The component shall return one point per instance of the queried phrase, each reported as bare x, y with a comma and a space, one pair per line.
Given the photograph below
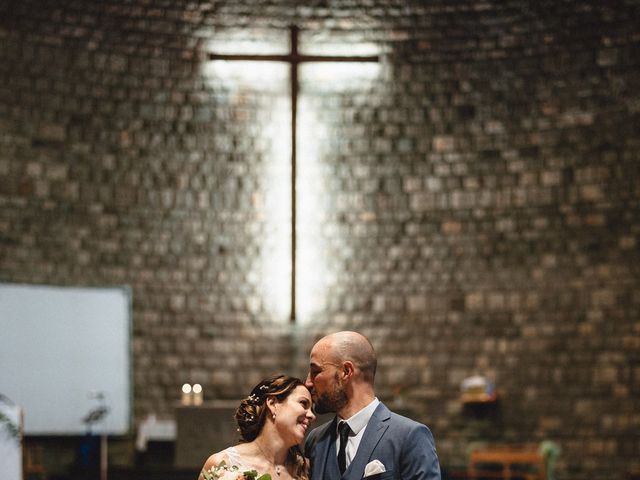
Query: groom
365, 440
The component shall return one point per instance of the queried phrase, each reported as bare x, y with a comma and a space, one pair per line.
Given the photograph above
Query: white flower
231, 475
222, 471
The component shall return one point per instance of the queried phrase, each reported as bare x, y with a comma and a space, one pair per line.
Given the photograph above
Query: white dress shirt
357, 423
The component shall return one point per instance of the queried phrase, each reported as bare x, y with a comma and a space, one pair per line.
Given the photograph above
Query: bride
272, 423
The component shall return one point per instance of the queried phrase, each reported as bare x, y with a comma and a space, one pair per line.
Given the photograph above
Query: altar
204, 429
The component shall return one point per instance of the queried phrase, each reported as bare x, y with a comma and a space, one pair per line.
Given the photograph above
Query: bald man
365, 439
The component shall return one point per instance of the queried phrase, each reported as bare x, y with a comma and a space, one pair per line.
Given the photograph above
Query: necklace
275, 467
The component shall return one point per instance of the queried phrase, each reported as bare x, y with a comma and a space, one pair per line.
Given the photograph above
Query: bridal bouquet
222, 471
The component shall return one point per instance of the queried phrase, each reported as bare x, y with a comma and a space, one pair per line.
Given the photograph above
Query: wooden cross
294, 58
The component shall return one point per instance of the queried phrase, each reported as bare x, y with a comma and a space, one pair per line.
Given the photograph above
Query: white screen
59, 347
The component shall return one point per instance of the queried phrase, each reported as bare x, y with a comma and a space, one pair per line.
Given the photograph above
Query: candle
197, 394
186, 394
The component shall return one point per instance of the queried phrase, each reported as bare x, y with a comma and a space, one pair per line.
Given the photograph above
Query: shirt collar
359, 421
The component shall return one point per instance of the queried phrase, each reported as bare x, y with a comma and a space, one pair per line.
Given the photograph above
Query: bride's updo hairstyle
253, 412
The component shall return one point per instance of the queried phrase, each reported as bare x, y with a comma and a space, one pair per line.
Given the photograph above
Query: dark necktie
344, 431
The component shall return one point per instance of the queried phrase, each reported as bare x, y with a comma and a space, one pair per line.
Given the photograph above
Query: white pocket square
373, 468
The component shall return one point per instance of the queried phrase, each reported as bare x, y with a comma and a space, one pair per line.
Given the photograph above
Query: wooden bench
507, 464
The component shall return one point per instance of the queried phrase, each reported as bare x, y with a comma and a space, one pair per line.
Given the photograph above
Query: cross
294, 58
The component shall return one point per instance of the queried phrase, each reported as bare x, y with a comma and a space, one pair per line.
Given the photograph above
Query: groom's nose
308, 382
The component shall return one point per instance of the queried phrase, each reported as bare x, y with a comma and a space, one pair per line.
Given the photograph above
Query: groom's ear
348, 369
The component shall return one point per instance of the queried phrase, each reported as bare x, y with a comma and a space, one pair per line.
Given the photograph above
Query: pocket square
373, 468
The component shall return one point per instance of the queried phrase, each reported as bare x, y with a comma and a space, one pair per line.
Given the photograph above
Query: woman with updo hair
272, 422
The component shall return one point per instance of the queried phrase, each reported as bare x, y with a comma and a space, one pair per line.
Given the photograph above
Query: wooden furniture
33, 462
507, 464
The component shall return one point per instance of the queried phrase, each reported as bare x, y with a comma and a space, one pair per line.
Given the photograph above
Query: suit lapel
372, 434
322, 447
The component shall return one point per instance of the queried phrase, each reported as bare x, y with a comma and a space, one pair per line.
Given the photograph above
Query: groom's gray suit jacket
404, 447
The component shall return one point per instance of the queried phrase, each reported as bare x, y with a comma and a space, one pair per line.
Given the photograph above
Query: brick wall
476, 205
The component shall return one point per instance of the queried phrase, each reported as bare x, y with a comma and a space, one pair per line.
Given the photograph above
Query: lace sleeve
235, 459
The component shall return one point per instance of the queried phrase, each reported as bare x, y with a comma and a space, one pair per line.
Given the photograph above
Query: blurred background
464, 193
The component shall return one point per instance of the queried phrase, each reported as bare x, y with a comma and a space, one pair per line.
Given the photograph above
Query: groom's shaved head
356, 348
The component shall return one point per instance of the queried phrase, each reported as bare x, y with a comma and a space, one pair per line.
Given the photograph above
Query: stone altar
203, 430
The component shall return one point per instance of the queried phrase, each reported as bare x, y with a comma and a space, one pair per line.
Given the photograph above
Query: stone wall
477, 204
